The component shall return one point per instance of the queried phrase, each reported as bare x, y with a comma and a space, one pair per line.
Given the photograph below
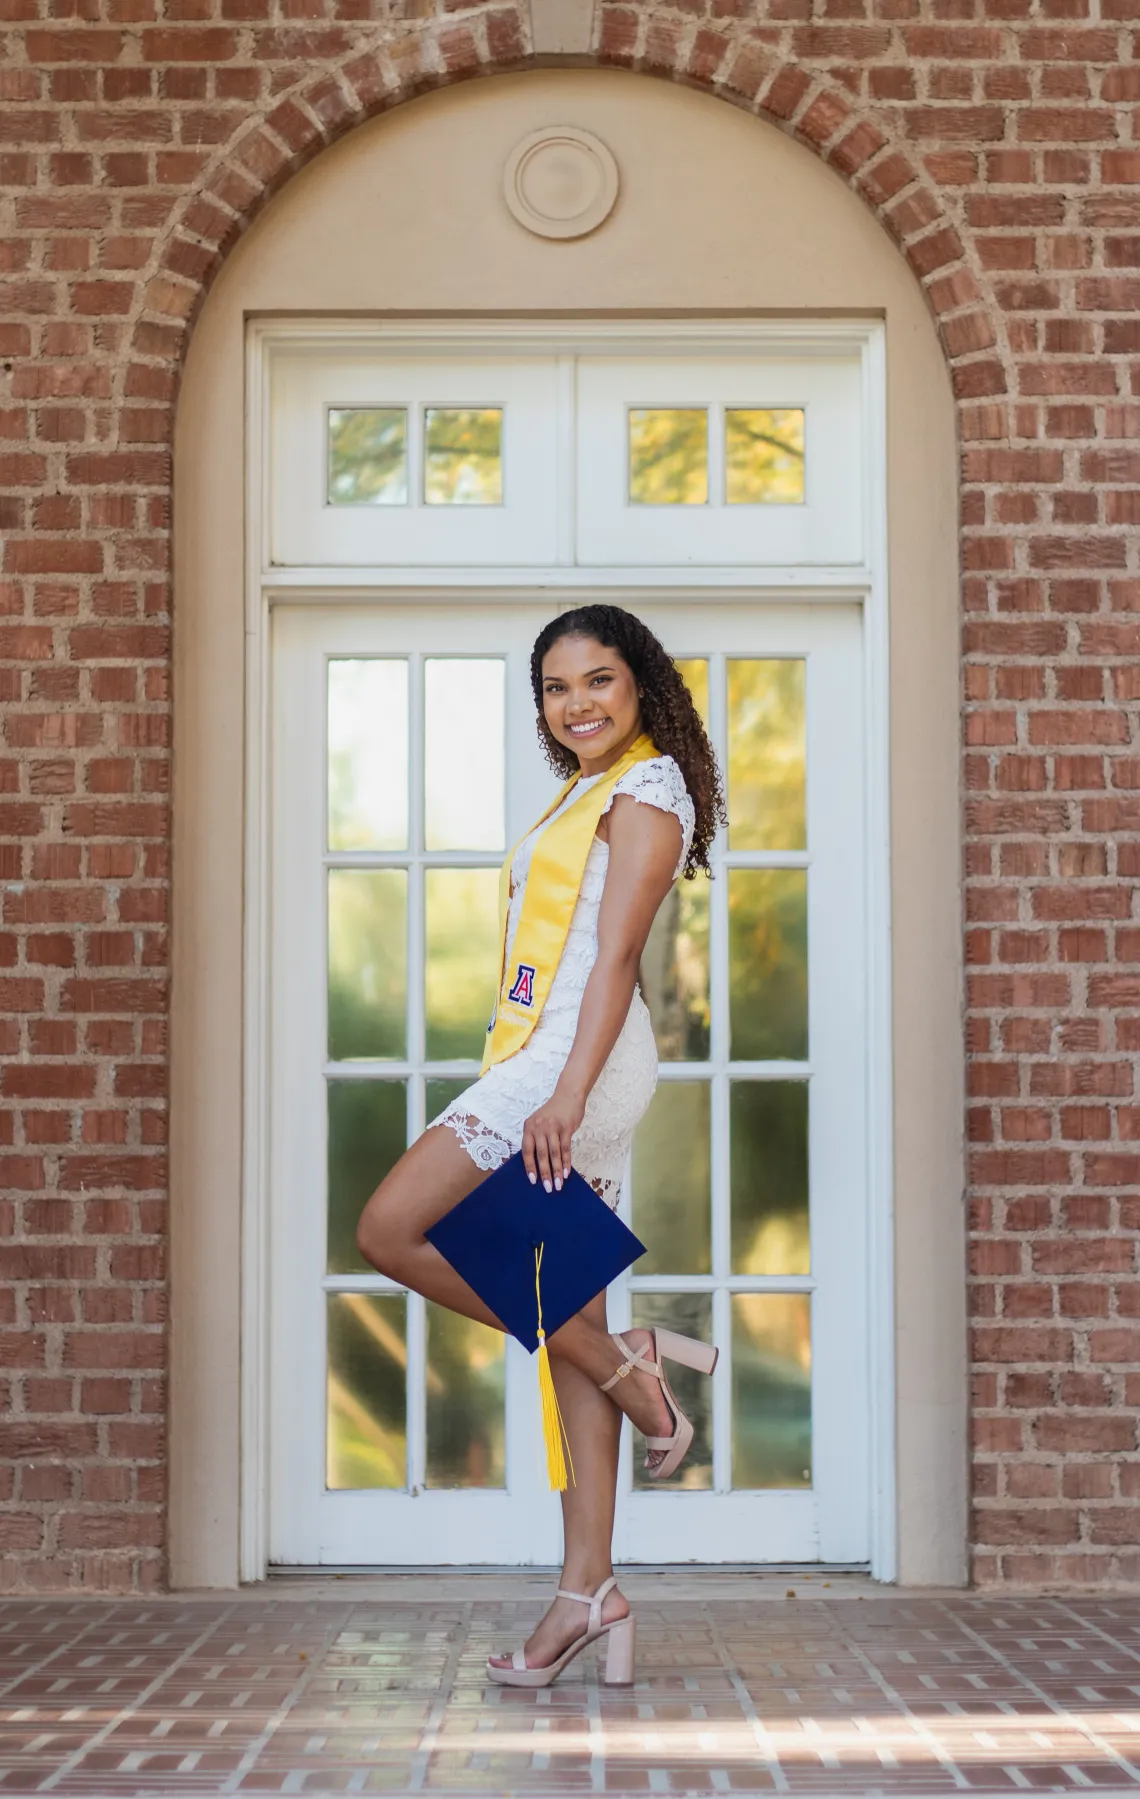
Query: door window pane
767, 964
466, 1397
462, 947
675, 973
769, 1177
368, 456
367, 1135
691, 1315
367, 1444
668, 456
671, 1181
766, 754
771, 1390
368, 754
464, 753
368, 962
463, 456
764, 456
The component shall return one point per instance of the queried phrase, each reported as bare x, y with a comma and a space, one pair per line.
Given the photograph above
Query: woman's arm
644, 846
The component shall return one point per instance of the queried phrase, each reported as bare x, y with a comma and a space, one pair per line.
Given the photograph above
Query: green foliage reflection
767, 964
462, 940
769, 1177
764, 456
668, 456
463, 456
367, 1135
368, 456
675, 973
766, 754
466, 1402
771, 1390
367, 1440
368, 962
671, 1181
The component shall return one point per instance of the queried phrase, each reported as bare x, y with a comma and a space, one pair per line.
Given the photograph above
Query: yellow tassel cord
553, 1428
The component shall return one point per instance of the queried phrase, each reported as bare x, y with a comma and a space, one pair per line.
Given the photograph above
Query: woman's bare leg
593, 1427
428, 1180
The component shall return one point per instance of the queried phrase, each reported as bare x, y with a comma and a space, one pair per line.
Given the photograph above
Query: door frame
267, 587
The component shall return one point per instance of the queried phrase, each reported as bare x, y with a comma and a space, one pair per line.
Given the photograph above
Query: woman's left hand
546, 1138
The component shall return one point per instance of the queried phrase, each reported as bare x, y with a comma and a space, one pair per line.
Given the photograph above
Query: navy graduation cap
536, 1258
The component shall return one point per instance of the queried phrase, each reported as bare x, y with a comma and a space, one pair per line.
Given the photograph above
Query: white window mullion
718, 1098
417, 1393
716, 456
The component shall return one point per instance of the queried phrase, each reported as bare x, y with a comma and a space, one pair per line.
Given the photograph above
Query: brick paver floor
377, 1687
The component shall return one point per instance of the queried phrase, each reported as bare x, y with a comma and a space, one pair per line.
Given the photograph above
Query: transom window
568, 460
760, 456
452, 456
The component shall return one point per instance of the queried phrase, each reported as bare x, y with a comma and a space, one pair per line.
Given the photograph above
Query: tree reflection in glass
466, 1402
767, 794
768, 1135
764, 456
462, 948
771, 1390
767, 964
368, 456
368, 962
675, 973
668, 456
367, 1436
463, 456
367, 1135
671, 1181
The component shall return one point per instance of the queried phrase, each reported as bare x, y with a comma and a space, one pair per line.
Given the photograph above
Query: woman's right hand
547, 1136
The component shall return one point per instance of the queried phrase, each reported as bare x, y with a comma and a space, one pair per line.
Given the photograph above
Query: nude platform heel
690, 1354
621, 1647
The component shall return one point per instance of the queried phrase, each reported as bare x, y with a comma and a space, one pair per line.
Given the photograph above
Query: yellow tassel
553, 1428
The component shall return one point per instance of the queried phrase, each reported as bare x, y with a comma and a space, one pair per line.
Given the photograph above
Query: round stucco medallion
560, 182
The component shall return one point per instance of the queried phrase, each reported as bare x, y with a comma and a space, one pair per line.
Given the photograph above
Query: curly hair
667, 711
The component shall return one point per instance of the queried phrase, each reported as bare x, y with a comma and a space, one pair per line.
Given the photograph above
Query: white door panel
397, 1437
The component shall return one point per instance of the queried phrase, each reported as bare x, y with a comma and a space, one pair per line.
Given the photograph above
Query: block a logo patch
522, 992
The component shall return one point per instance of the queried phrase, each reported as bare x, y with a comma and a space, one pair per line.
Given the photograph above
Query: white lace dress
488, 1117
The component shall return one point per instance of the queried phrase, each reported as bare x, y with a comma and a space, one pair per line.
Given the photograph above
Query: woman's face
590, 700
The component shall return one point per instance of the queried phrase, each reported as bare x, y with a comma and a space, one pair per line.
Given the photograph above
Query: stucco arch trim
736, 61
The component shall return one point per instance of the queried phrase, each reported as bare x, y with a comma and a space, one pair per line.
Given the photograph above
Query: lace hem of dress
486, 1148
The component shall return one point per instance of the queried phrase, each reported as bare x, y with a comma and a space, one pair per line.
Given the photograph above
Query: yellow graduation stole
552, 888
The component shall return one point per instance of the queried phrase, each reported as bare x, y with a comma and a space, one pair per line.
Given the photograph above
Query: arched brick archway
997, 152
731, 62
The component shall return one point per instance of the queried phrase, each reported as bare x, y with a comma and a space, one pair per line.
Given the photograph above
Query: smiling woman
570, 1068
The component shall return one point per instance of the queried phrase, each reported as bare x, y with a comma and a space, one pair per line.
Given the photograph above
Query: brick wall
995, 140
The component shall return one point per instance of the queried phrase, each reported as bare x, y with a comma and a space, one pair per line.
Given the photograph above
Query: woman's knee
379, 1238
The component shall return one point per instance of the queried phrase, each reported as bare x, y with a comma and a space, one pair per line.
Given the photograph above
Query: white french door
405, 759
422, 498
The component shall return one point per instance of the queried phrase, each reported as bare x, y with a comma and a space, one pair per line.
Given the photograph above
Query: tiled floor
377, 1687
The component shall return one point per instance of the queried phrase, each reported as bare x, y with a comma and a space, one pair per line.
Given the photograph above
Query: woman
569, 1086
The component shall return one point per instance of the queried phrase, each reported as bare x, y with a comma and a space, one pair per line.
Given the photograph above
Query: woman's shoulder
658, 782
